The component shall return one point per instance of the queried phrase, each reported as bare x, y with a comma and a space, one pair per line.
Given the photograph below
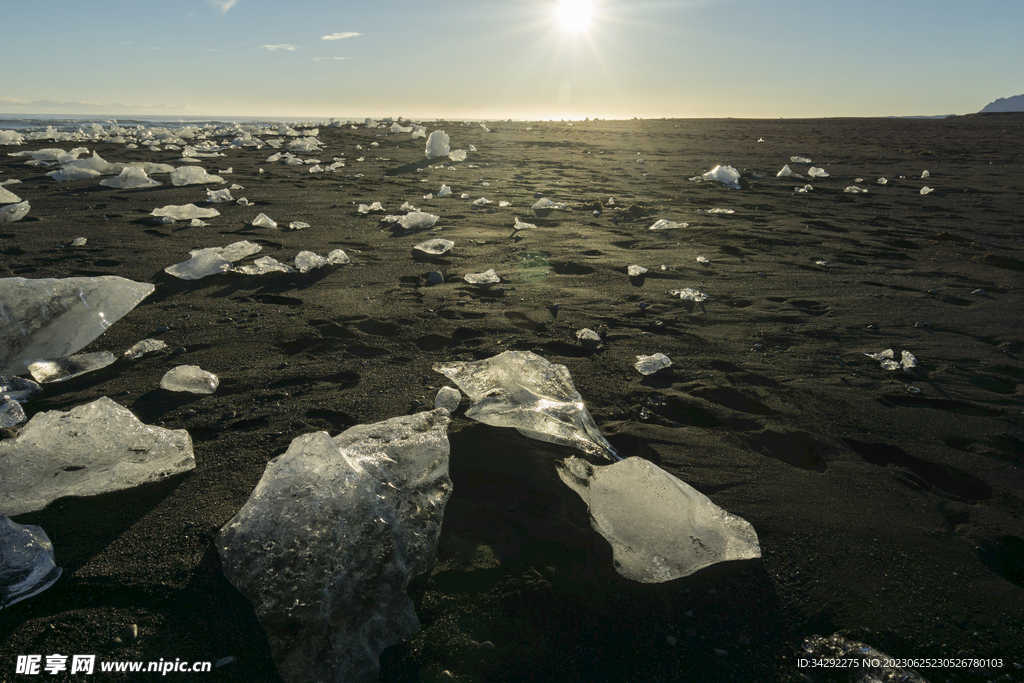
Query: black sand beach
889, 504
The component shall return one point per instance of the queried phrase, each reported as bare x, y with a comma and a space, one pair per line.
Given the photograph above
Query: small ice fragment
263, 221
660, 528
504, 203
18, 388
143, 347
219, 196
907, 360
407, 207
523, 390
690, 294
338, 257
727, 175
262, 266
546, 204
91, 449
435, 247
800, 160
448, 398
588, 336
816, 172
853, 189
881, 355
926, 190
483, 201
244, 201
787, 172
662, 224
805, 188
760, 139
882, 181
488, 277
427, 197
367, 208
8, 197
636, 271
130, 178
823, 264
27, 565
444, 191
925, 174
523, 225
193, 175
79, 242
457, 155
14, 212
184, 212
437, 144
702, 259
298, 225
61, 369
190, 378
11, 414
648, 365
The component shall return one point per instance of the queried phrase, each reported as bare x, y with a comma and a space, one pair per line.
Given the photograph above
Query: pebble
435, 278
671, 640
979, 292
743, 640
720, 652
163, 328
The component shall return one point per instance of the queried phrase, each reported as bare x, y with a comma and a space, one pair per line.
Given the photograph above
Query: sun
574, 16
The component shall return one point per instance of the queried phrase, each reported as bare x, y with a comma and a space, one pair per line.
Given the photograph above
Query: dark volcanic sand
894, 517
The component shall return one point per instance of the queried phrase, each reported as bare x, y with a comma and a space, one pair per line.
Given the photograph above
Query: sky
499, 59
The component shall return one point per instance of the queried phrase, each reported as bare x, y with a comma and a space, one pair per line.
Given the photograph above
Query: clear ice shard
660, 528
264, 221
88, 450
816, 172
18, 388
523, 390
184, 212
435, 247
787, 172
414, 220
143, 347
54, 318
212, 260
662, 224
727, 175
437, 144
14, 212
11, 412
330, 538
689, 294
262, 266
648, 365
60, 369
448, 398
130, 178
27, 565
8, 197
545, 204
191, 379
193, 175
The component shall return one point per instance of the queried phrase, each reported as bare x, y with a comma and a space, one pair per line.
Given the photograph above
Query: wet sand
889, 504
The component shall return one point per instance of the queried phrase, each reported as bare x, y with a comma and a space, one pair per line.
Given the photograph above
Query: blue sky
497, 59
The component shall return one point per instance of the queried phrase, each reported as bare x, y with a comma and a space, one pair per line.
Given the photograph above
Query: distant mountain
1015, 103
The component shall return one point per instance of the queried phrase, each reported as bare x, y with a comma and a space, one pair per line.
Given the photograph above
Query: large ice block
330, 538
54, 318
660, 528
27, 565
88, 450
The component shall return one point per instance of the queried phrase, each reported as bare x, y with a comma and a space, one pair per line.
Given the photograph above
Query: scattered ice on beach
727, 175
131, 178
636, 271
926, 190
816, 172
184, 212
54, 318
92, 449
457, 155
925, 174
14, 212
689, 294
800, 160
662, 224
193, 175
263, 221
331, 537
853, 189
546, 204
448, 398
886, 358
660, 528
61, 369
27, 565
871, 664
143, 347
435, 247
787, 172
367, 208
191, 379
219, 196
522, 390
648, 365
437, 144
488, 277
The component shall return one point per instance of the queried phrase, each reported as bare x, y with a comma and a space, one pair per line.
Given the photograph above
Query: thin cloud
275, 48
341, 36
323, 59
80, 107
222, 6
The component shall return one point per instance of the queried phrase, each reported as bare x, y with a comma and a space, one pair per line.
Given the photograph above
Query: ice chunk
406, 206
263, 221
437, 144
926, 190
435, 247
800, 160
92, 449
925, 174
131, 178
483, 201
457, 155
816, 172
727, 175
787, 172
54, 318
545, 204
886, 358
871, 664
262, 266
14, 212
636, 271
523, 225
68, 173
648, 365
219, 196
376, 206
184, 212
396, 127
488, 277
907, 360
444, 191
60, 369
689, 294
703, 259
662, 224
448, 398
201, 265
8, 197
804, 189
18, 388
523, 390
306, 261
853, 189
882, 181
660, 528
417, 220
193, 175
11, 412
143, 347
331, 537
27, 565
190, 378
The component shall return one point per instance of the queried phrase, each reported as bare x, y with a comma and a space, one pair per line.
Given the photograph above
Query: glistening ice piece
54, 318
523, 390
331, 537
27, 566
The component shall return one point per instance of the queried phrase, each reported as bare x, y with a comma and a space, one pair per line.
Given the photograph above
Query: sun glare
574, 16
